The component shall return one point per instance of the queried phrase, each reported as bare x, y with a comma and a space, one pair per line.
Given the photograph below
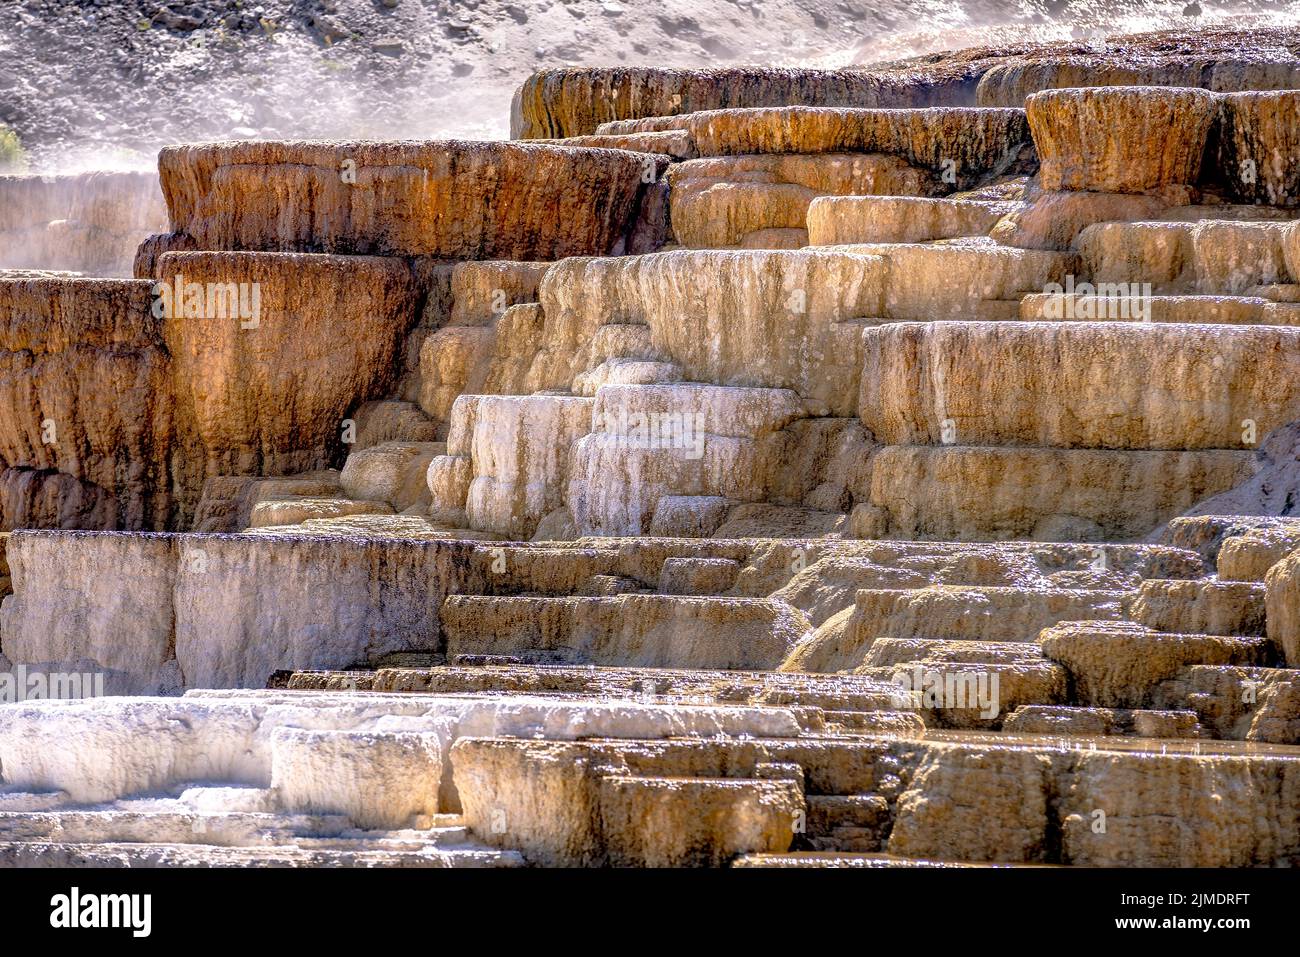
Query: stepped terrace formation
736, 468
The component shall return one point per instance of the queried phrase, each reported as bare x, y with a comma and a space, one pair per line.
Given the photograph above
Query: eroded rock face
450, 199
520, 447
265, 388
1228, 68
1052, 220
772, 319
899, 218
660, 631
1119, 664
1006, 789
456, 343
973, 494
86, 403
1120, 139
647, 442
575, 102
1024, 383
1282, 607
223, 611
77, 595
963, 280
725, 201
37, 498
962, 145
1257, 134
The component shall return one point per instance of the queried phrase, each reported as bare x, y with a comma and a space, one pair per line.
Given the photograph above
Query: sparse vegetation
13, 158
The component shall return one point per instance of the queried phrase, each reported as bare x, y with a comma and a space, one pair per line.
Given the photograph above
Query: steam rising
104, 87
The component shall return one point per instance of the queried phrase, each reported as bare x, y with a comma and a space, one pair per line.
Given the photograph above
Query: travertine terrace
736, 468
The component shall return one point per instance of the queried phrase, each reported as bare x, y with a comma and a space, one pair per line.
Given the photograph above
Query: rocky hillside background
105, 83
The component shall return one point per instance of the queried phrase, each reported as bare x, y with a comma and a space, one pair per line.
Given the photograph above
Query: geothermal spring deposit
698, 434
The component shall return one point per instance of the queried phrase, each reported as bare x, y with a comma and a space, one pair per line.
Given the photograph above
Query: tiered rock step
842, 220
726, 441
1205, 606
1170, 386
379, 524
1207, 257
1278, 292
590, 101
573, 102
169, 832
233, 196
956, 796
849, 861
716, 633
1139, 723
822, 703
576, 355
1249, 554
1238, 702
866, 795
200, 609
1119, 664
364, 786
758, 169
968, 143
980, 493
229, 502
1140, 65
278, 513
452, 350
394, 473
55, 854
379, 760
1217, 310
391, 443
763, 201
1244, 542
1196, 476
712, 314
760, 763
951, 613
675, 143
1057, 455
968, 279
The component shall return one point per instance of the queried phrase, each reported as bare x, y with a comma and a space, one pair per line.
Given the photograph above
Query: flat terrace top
1196, 747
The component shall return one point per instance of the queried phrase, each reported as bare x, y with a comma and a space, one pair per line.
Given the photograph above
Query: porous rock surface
410, 199
799, 468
